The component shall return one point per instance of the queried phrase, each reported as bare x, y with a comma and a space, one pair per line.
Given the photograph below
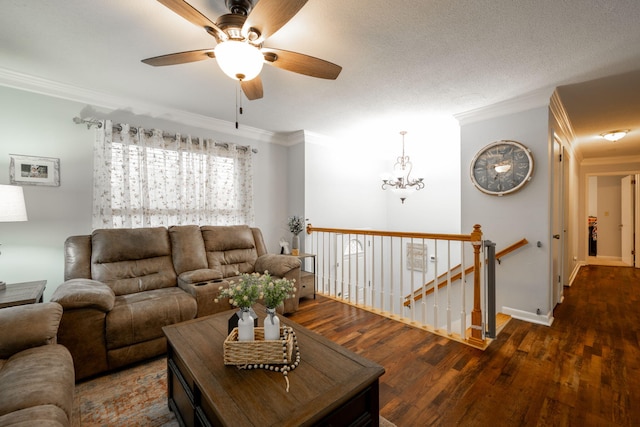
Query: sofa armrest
287, 267
84, 293
277, 265
206, 294
28, 326
203, 275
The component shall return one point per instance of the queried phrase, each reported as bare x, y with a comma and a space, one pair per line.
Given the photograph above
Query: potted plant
274, 292
296, 225
244, 295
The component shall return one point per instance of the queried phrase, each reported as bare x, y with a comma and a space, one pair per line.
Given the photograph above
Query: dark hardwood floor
584, 370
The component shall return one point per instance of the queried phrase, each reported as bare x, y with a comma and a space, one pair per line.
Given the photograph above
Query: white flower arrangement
252, 287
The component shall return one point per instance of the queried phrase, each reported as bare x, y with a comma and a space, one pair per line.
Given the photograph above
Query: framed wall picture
32, 170
416, 256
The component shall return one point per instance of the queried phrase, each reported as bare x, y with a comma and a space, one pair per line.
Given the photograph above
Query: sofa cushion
132, 259
41, 416
230, 249
38, 376
139, 317
27, 326
187, 248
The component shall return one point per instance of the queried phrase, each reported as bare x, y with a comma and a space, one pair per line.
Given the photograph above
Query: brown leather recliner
123, 285
36, 374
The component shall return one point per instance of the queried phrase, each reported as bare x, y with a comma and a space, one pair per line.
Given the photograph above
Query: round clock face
502, 167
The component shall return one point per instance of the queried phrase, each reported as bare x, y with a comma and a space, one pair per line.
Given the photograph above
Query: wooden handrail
417, 295
511, 248
456, 237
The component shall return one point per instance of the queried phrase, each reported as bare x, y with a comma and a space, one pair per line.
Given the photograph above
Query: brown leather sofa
123, 285
36, 374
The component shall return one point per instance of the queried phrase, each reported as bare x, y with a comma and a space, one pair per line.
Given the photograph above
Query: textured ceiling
402, 61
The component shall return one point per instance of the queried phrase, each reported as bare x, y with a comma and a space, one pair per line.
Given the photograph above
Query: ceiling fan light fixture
239, 60
615, 135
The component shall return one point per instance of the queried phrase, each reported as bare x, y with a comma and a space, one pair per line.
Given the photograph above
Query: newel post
476, 314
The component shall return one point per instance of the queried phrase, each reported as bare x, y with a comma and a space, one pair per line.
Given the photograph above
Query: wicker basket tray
260, 350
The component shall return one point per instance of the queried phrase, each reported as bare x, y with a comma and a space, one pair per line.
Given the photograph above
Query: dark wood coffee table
331, 386
22, 293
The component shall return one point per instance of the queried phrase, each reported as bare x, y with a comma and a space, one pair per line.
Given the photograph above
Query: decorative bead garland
284, 369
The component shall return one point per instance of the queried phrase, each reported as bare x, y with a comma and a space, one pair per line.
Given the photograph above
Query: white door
557, 226
626, 220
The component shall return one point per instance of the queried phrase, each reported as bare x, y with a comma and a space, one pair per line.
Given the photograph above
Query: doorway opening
613, 222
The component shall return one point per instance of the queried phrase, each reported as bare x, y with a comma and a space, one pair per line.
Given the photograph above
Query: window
146, 179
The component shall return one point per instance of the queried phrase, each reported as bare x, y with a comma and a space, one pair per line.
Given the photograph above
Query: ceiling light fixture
615, 135
239, 60
399, 181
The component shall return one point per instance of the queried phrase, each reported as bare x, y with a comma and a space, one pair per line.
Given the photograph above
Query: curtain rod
118, 127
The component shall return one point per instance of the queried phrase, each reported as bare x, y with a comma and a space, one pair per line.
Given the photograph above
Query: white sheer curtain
144, 178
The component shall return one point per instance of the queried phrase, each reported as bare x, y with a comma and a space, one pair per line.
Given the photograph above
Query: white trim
87, 96
538, 98
541, 319
575, 271
601, 161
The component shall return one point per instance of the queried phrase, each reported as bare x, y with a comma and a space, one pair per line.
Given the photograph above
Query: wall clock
502, 167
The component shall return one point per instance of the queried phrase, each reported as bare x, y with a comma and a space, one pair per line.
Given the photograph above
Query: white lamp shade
239, 60
12, 207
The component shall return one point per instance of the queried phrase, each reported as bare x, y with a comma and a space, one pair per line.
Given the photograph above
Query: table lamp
12, 208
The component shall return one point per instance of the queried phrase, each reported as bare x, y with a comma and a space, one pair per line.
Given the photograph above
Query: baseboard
541, 319
575, 271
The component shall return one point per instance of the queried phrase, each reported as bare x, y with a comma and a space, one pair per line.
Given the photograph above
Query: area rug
131, 397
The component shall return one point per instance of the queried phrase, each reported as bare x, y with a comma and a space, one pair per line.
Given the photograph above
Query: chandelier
399, 181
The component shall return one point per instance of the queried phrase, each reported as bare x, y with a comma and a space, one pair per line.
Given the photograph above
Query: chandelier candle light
399, 181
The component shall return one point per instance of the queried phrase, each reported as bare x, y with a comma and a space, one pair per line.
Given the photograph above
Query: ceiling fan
240, 36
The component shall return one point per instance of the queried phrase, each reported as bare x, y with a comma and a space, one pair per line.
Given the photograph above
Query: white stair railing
386, 272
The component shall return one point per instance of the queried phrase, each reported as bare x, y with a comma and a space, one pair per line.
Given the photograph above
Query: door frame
585, 242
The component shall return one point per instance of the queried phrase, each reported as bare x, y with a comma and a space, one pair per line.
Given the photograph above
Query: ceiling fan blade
252, 88
192, 15
180, 57
300, 63
268, 16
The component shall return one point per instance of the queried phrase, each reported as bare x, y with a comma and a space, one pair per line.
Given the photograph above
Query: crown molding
608, 161
535, 99
68, 92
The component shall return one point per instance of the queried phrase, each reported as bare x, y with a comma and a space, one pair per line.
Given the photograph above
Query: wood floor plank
584, 369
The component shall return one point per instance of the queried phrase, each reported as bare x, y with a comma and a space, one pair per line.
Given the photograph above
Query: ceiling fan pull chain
237, 109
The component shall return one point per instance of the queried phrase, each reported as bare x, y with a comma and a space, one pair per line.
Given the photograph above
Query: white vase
245, 327
295, 245
271, 325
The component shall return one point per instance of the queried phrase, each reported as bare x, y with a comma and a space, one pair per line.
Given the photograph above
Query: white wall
40, 125
342, 185
523, 277
434, 150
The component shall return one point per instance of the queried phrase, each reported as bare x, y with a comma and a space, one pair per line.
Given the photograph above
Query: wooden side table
22, 293
307, 278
